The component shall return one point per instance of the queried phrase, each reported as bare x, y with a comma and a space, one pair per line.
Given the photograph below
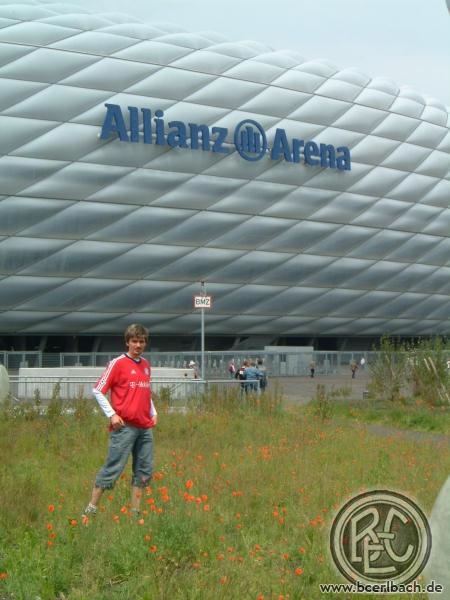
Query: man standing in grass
132, 416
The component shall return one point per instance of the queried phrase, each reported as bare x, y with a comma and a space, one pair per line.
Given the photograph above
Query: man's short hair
136, 330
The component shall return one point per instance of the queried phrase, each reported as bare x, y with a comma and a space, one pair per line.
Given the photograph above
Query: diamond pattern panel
97, 233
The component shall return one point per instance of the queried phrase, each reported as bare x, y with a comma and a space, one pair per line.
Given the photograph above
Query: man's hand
116, 422
155, 419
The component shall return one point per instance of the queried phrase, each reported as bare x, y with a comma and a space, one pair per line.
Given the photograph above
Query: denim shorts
125, 441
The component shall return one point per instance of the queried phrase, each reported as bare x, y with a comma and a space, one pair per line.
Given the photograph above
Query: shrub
322, 404
389, 370
55, 405
427, 364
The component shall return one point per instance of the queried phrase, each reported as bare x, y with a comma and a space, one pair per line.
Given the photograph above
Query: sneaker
90, 511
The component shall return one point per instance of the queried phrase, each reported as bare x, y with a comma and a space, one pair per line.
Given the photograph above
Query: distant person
253, 374
231, 368
240, 374
131, 415
312, 369
193, 365
263, 380
353, 368
362, 363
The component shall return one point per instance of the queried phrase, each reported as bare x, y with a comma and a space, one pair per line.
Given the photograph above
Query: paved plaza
302, 389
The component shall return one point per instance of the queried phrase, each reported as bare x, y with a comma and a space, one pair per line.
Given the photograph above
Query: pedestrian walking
193, 365
240, 374
252, 377
263, 379
231, 368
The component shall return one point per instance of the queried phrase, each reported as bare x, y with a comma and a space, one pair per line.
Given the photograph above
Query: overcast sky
407, 41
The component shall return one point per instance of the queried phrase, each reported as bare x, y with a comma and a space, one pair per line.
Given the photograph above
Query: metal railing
278, 363
75, 388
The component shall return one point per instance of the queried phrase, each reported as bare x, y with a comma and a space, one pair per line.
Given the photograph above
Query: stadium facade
137, 160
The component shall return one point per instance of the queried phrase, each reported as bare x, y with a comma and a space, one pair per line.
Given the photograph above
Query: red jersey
129, 382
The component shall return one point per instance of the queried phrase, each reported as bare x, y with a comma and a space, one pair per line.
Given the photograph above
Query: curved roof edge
70, 15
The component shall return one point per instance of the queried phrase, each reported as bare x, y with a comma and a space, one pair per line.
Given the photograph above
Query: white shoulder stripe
104, 378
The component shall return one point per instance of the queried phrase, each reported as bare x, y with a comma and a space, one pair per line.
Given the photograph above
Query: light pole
203, 293
202, 301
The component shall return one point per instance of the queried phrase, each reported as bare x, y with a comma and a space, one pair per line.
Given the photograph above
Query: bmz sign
202, 301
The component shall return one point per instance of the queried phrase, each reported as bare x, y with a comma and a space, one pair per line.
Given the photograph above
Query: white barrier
77, 382
4, 383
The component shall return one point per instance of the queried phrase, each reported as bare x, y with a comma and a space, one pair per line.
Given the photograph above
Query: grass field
411, 416
240, 505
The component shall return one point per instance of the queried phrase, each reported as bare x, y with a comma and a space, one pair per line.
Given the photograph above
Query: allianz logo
249, 138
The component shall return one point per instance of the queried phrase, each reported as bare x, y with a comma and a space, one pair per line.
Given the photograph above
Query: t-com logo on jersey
248, 138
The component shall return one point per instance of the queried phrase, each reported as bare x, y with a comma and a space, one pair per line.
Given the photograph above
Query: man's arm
101, 388
153, 413
116, 421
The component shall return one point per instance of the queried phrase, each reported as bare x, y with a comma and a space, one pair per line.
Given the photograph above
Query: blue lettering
297, 146
177, 138
134, 123
195, 131
159, 122
327, 156
114, 123
147, 125
218, 143
311, 153
281, 146
343, 162
249, 138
